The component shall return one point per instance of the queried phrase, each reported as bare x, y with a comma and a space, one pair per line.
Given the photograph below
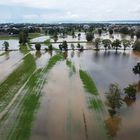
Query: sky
50, 11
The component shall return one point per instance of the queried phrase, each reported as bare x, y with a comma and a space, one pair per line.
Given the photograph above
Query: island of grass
88, 83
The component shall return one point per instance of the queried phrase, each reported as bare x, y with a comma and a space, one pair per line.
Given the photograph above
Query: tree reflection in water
7, 56
72, 54
50, 53
138, 86
79, 53
65, 54
129, 102
113, 124
38, 54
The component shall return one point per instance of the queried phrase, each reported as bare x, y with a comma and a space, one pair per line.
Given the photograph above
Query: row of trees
38, 47
62, 47
116, 44
70, 30
108, 44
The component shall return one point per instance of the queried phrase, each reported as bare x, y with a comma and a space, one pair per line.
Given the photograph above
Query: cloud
30, 17
79, 10
135, 10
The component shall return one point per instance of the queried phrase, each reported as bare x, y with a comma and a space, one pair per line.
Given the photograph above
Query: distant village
14, 29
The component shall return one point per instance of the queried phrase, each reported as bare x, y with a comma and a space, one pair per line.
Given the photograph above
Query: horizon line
71, 22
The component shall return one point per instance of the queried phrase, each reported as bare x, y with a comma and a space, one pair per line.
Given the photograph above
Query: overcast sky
68, 10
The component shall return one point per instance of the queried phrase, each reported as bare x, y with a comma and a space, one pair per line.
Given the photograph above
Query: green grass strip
88, 83
8, 37
96, 104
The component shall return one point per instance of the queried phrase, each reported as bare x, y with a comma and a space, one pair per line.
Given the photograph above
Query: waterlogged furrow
94, 102
31, 101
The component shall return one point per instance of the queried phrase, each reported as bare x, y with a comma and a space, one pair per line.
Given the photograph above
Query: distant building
86, 26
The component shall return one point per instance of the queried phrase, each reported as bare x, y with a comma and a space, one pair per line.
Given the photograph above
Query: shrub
130, 91
38, 46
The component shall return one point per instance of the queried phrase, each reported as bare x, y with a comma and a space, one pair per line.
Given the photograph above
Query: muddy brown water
9, 61
64, 113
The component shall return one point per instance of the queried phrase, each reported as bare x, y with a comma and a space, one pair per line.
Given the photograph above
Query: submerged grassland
21, 96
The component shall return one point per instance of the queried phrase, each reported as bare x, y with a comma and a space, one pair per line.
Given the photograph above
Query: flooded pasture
64, 108
49, 99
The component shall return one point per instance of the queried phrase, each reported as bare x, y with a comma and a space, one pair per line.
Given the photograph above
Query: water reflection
96, 56
79, 53
129, 102
72, 54
65, 54
7, 56
113, 124
50, 53
125, 54
138, 86
38, 54
116, 53
106, 54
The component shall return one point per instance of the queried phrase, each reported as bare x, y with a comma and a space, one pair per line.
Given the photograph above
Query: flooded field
13, 44
51, 98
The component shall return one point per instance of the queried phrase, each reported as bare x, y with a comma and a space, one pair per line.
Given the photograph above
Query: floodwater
13, 44
9, 61
64, 112
103, 36
40, 39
